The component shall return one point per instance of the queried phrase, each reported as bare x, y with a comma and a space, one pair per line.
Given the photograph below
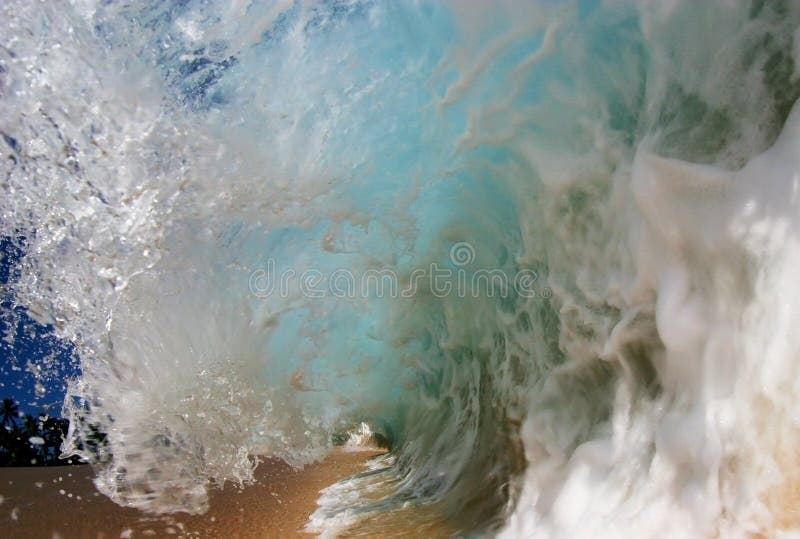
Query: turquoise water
545, 248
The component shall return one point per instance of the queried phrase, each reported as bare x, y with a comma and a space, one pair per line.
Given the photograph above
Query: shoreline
61, 501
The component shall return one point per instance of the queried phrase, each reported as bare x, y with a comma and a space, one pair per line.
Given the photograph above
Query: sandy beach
61, 502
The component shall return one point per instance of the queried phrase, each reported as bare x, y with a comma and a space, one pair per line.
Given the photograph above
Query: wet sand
62, 502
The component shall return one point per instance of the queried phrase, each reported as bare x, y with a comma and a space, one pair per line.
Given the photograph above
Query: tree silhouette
54, 429
9, 410
29, 440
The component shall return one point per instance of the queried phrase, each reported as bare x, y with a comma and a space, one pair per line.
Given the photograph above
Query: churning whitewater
545, 250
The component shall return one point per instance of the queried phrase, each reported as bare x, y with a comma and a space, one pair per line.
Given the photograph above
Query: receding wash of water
546, 251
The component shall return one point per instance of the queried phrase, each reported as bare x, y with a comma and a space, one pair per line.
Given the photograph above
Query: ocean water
545, 249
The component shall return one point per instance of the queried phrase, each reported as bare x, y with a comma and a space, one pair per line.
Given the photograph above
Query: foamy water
236, 210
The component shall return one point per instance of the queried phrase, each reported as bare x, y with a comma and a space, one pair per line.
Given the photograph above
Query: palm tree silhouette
9, 410
27, 440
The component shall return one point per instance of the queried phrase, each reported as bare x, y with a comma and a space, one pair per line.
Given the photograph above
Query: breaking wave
637, 163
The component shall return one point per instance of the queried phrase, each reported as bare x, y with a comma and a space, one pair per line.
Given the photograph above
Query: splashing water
222, 206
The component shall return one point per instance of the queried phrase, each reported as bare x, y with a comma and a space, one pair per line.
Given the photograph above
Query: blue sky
25, 344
